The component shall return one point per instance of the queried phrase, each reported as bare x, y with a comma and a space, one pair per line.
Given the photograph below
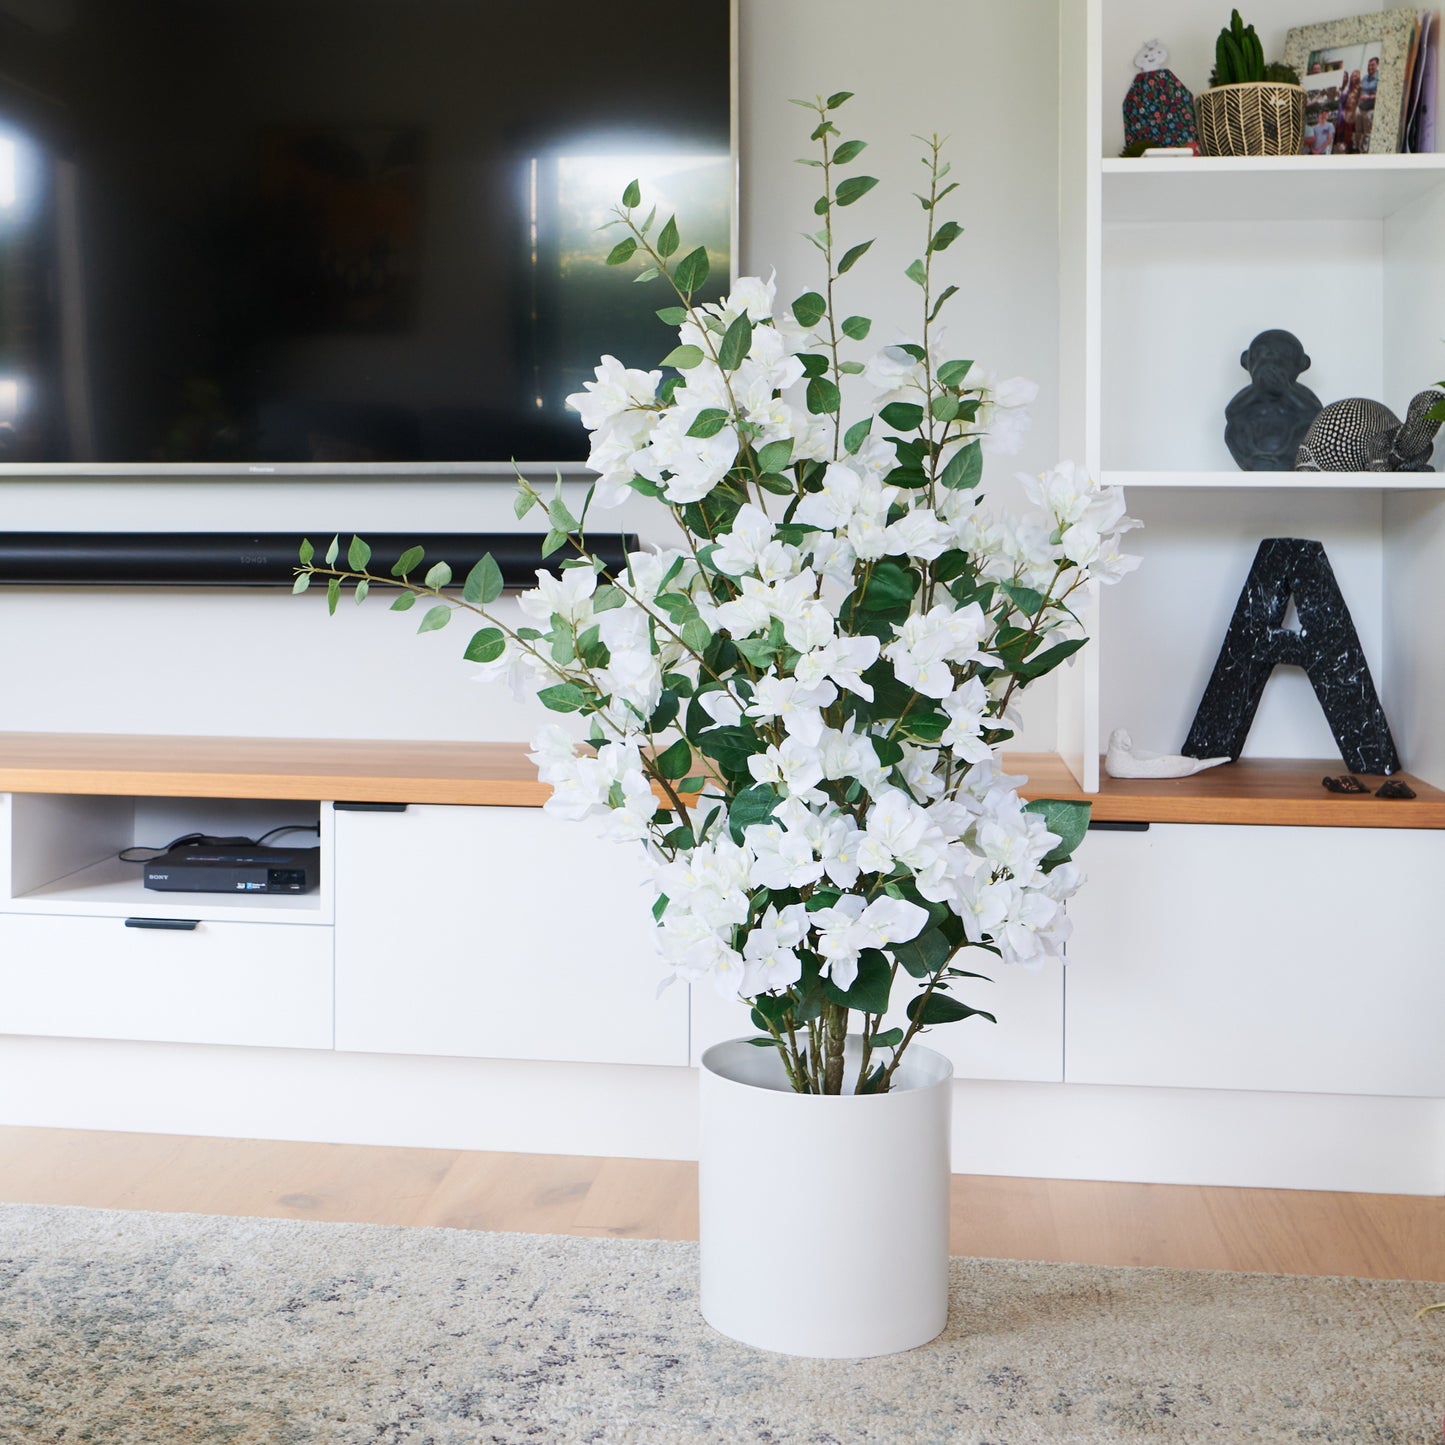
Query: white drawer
219, 983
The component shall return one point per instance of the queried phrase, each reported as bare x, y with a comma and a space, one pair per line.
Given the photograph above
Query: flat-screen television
338, 235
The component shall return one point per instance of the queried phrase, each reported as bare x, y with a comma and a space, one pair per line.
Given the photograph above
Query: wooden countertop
1252, 791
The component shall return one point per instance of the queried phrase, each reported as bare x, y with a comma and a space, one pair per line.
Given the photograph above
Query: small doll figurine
1159, 108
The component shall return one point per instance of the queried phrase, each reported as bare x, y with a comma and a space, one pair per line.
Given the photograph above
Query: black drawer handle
1110, 825
369, 807
183, 925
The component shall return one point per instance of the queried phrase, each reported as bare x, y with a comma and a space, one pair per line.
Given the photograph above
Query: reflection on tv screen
269, 232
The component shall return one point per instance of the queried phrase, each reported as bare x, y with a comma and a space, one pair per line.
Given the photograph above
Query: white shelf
111, 888
1278, 481
1266, 188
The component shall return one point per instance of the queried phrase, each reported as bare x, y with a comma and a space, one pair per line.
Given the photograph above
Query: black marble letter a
1326, 646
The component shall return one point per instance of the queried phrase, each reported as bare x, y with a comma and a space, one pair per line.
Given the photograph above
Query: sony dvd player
252, 868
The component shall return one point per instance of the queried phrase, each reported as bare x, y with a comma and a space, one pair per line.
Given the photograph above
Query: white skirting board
1062, 1131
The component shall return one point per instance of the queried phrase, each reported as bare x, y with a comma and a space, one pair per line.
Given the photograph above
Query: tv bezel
496, 469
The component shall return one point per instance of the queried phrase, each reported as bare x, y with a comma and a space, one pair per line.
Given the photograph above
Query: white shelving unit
1171, 267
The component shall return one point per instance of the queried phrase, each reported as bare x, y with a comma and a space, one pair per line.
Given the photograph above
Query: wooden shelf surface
1251, 791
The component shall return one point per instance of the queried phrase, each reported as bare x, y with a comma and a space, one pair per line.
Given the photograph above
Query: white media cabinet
471, 973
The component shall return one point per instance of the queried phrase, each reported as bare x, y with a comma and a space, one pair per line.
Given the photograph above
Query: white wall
264, 663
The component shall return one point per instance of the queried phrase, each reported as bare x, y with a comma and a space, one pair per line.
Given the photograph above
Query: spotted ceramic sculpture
1124, 760
1359, 435
1159, 108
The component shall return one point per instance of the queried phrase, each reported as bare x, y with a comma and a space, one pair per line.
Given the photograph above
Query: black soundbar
264, 559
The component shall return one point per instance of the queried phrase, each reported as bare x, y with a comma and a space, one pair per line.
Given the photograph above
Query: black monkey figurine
1266, 422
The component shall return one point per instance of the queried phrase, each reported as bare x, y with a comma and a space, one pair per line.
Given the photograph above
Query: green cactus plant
1238, 55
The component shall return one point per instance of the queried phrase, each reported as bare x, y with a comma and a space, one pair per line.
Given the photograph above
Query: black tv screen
346, 233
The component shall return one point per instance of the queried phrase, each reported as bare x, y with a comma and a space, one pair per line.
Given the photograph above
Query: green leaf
890, 585
857, 327
486, 646
809, 309
632, 196
964, 469
306, 552
439, 575
676, 761
435, 619
944, 407
561, 519
852, 255
823, 398
951, 373
730, 747
404, 602
939, 1008
333, 595
735, 343
903, 415
1068, 820
776, 455
710, 421
650, 274
917, 273
889, 1039
565, 697
869, 992
1035, 667
524, 502
848, 151
667, 242
552, 542
837, 98
854, 188
925, 954
945, 236
333, 551
691, 271
943, 297
484, 582
301, 583
820, 207
753, 805
362, 588
696, 635
683, 357
1026, 599
624, 250
856, 435
672, 315
358, 554
408, 561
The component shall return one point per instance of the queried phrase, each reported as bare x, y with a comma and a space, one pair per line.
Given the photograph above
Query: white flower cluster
882, 817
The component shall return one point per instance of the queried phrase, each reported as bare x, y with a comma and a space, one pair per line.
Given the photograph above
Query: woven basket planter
1256, 119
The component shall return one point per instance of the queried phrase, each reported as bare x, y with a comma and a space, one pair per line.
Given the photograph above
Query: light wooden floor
1283, 1231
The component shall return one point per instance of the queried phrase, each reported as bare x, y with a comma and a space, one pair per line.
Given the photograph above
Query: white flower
919, 534
770, 951
568, 593
928, 642
753, 296
782, 857
616, 390
795, 766
1003, 417
967, 709
844, 660
895, 373
850, 926
796, 704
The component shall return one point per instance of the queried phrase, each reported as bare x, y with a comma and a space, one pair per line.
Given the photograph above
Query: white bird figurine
1124, 760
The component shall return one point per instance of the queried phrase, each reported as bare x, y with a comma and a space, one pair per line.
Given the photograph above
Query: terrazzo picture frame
1391, 34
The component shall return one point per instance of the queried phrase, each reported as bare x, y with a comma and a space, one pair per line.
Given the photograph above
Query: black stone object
1326, 646
1266, 422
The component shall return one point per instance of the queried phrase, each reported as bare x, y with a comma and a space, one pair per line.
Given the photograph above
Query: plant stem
835, 1019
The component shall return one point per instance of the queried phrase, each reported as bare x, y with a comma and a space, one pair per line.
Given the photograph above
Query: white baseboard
1069, 1131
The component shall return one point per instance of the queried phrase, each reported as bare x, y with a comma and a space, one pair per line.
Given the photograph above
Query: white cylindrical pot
824, 1219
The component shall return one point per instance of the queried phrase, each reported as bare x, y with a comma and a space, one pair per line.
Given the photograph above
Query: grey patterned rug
153, 1329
